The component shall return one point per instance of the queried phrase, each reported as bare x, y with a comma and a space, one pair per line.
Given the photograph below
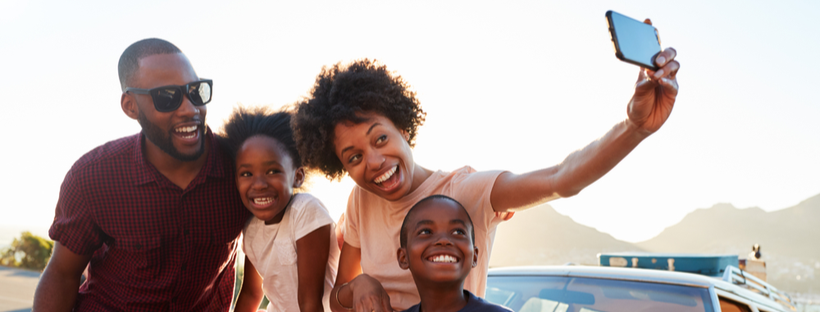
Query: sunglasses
169, 98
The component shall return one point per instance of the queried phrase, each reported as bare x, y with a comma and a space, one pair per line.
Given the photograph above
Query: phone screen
635, 42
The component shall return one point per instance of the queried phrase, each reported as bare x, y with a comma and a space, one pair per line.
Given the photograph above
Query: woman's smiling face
265, 176
376, 155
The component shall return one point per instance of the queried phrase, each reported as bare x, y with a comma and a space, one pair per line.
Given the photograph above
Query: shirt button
174, 300
184, 266
186, 231
138, 246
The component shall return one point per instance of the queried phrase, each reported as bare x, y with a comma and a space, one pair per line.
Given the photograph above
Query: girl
361, 120
290, 241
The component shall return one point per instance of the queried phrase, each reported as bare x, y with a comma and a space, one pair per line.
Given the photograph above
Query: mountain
542, 236
788, 239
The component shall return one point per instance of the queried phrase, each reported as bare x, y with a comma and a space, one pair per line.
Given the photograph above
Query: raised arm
58, 286
648, 109
354, 290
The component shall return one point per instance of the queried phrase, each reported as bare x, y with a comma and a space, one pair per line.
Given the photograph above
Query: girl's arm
250, 296
649, 108
354, 290
311, 261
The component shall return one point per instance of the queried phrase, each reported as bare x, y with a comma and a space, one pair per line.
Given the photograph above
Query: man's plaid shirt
155, 246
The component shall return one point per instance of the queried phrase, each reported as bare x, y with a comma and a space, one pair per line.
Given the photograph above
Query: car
573, 288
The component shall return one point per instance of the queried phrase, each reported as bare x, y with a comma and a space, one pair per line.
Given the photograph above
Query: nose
375, 160
187, 109
258, 183
443, 240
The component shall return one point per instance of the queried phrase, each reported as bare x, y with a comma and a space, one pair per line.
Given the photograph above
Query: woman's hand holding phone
655, 92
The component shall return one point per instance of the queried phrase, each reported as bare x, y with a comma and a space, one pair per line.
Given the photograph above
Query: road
17, 289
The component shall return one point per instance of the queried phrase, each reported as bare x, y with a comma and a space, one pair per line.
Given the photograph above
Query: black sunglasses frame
182, 89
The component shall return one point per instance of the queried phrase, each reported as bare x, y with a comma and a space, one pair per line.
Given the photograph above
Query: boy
439, 252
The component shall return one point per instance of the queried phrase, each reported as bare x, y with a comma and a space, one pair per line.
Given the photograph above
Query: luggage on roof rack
710, 265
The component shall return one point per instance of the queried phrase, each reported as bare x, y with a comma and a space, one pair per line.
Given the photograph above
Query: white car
589, 288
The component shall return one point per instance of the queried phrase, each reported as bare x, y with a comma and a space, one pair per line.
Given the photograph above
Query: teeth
386, 175
262, 200
186, 129
443, 258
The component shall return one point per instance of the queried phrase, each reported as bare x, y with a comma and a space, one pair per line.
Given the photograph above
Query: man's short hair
129, 60
403, 233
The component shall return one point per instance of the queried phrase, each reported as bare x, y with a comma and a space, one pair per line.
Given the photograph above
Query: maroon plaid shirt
155, 246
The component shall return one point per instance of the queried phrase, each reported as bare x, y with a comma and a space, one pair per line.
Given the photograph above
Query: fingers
670, 70
669, 85
386, 304
647, 21
666, 56
373, 304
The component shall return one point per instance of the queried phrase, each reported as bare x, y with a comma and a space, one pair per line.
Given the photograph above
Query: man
154, 216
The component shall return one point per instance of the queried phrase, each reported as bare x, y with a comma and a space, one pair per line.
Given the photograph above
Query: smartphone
635, 42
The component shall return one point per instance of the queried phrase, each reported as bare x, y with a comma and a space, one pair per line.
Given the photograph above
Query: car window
575, 294
728, 305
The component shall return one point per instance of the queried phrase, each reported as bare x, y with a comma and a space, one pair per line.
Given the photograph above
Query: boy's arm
648, 109
250, 295
352, 286
311, 261
58, 286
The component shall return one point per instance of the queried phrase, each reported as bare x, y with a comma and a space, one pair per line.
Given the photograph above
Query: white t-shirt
373, 224
272, 250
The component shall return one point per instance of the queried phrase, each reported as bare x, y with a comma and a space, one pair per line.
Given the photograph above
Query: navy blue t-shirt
473, 304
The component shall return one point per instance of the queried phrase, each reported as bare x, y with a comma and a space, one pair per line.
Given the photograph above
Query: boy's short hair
403, 232
245, 123
342, 93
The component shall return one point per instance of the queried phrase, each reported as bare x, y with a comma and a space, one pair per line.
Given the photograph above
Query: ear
299, 177
475, 256
129, 106
401, 255
405, 135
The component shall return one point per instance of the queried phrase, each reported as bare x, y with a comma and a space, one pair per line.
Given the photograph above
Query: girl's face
376, 156
265, 177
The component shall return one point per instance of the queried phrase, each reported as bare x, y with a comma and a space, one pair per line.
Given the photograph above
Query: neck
442, 297
420, 174
179, 172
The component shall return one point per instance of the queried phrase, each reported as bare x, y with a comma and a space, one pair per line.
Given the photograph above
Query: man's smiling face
439, 246
179, 133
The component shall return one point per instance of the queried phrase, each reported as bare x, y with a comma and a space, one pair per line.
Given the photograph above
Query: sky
512, 85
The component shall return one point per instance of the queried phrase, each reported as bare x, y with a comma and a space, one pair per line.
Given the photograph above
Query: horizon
515, 86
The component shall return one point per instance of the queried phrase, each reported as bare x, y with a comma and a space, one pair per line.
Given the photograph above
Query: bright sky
513, 85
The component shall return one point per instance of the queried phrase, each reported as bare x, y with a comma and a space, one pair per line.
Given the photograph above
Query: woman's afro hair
245, 123
343, 93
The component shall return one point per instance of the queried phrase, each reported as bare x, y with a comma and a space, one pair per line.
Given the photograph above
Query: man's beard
163, 140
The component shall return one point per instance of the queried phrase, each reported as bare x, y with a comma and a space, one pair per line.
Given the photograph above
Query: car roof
642, 275
636, 274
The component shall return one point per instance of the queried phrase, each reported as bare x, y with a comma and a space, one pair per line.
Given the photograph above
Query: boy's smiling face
439, 246
376, 155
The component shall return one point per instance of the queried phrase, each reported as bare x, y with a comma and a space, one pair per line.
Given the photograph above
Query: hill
788, 239
542, 236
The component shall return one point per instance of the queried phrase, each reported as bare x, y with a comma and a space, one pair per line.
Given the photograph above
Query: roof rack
737, 276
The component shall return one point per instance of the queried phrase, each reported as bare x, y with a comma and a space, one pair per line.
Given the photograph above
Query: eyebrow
428, 222
459, 221
368, 133
267, 163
